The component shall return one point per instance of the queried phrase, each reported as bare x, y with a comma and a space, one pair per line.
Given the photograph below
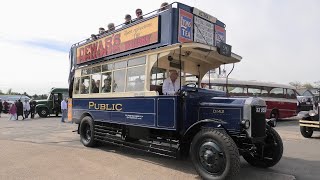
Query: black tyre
272, 151
214, 155
87, 132
43, 112
306, 131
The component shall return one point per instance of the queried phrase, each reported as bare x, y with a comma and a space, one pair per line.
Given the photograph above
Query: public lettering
106, 107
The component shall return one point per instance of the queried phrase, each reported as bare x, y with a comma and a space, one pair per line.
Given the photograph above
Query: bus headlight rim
245, 123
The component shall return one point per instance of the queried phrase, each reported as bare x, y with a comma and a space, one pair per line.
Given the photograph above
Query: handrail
124, 25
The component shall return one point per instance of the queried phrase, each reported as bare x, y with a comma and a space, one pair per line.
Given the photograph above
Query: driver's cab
189, 68
54, 100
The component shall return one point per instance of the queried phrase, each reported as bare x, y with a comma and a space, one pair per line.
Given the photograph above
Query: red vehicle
281, 99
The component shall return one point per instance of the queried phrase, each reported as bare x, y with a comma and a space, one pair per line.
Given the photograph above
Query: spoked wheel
87, 132
43, 112
269, 154
214, 155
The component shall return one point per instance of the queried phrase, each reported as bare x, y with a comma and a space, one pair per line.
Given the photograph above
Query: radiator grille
258, 122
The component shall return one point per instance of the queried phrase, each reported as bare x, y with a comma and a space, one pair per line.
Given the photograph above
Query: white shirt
26, 106
64, 105
170, 88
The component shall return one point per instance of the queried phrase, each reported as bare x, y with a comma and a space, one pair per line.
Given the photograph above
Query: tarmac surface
45, 148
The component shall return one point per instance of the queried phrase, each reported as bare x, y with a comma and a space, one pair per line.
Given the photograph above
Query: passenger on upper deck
110, 27
164, 6
127, 19
139, 14
171, 85
101, 31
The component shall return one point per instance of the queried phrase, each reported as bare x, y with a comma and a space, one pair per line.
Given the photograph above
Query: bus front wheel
214, 155
87, 132
269, 154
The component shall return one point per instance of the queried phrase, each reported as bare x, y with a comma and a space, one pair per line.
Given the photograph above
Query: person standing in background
33, 104
19, 106
5, 106
13, 112
26, 108
64, 107
0, 107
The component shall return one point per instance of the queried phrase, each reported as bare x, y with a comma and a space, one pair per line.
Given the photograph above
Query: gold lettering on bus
106, 107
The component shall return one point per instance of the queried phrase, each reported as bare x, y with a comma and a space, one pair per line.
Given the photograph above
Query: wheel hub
211, 157
87, 132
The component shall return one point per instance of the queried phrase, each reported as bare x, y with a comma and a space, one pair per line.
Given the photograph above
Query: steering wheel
191, 85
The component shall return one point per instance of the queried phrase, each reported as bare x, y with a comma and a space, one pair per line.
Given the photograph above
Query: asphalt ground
45, 148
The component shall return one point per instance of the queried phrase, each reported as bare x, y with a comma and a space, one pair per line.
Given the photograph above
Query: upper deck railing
177, 24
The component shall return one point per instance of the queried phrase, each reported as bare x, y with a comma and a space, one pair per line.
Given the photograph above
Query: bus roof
180, 24
58, 90
221, 81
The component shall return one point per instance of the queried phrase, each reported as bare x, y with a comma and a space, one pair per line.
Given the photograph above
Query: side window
95, 83
136, 78
264, 91
76, 86
237, 91
106, 82
291, 94
119, 78
84, 85
65, 95
277, 93
157, 76
254, 92
217, 87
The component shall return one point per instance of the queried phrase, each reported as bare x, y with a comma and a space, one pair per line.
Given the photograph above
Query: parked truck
51, 105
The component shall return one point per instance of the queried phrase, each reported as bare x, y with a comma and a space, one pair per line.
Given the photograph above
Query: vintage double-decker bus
116, 94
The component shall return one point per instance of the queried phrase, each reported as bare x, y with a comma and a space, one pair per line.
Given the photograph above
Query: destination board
203, 31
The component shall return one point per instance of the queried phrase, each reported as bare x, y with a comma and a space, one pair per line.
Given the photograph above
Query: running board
138, 145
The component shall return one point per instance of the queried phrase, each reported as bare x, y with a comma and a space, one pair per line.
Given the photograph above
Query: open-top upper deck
179, 24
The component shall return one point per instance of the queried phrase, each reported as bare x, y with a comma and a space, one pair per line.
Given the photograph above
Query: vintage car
310, 123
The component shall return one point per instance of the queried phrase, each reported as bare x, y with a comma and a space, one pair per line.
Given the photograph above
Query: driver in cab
171, 85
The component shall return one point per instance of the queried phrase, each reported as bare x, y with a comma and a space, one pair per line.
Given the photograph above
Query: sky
278, 39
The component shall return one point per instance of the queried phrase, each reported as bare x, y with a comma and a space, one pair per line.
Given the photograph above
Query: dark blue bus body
164, 112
